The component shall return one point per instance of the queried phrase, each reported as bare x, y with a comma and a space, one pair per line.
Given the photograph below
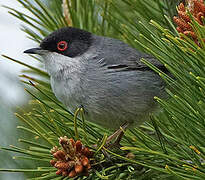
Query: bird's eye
62, 45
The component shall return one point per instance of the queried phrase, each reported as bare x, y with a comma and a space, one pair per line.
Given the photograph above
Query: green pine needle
172, 147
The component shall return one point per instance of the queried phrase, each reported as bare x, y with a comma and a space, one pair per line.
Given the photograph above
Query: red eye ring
62, 45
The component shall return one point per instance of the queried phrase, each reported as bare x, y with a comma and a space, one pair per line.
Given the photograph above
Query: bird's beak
34, 51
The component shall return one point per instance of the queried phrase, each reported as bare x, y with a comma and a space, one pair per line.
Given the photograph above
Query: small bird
103, 75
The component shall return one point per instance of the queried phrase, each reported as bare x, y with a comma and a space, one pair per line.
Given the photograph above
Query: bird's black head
67, 41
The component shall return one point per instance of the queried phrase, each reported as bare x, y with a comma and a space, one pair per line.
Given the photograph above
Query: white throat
58, 65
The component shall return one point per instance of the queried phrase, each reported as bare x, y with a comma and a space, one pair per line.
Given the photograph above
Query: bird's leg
118, 135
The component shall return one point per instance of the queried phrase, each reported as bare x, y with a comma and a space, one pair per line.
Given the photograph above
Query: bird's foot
117, 135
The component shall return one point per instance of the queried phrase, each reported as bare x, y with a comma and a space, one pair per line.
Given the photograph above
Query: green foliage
172, 146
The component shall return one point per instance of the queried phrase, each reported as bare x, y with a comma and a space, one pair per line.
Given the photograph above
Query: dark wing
119, 56
138, 65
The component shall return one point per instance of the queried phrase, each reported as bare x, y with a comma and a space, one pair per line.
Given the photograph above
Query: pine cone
197, 9
72, 158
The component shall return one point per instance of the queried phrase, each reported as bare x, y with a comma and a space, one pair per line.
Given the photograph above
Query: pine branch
172, 147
